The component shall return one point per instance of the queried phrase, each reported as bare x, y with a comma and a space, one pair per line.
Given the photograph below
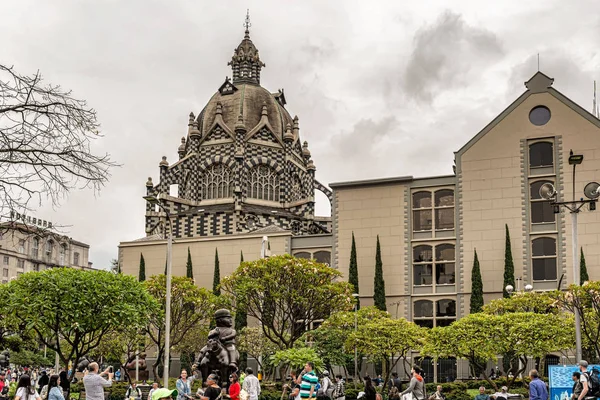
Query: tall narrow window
444, 209
49, 247
296, 188
445, 313
422, 265
422, 215
263, 183
544, 259
541, 210
62, 251
217, 182
35, 248
423, 313
541, 155
444, 264
22, 246
76, 258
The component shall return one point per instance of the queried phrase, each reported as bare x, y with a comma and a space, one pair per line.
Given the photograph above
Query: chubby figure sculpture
220, 355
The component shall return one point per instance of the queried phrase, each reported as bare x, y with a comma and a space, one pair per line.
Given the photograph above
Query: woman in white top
25, 390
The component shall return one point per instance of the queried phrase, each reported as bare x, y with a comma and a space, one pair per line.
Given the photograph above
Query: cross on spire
247, 24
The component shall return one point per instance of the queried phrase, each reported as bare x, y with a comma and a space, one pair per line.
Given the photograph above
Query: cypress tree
142, 274
509, 266
353, 270
476, 287
583, 274
241, 321
379, 286
165, 267
217, 275
189, 268
241, 256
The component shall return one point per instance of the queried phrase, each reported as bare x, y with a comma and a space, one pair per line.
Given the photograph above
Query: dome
248, 100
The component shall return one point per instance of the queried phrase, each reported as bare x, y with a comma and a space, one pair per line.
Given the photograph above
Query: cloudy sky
382, 88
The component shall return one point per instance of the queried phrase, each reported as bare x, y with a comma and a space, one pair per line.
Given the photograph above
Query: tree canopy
282, 290
71, 310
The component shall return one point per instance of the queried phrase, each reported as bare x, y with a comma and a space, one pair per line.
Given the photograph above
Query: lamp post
355, 295
592, 192
510, 289
157, 201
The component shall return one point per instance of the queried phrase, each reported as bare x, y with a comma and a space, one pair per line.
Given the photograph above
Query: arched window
541, 154
296, 189
444, 209
543, 257
217, 182
541, 210
423, 313
35, 248
322, 257
61, 256
422, 218
444, 264
302, 254
433, 211
445, 312
425, 266
263, 183
49, 247
422, 265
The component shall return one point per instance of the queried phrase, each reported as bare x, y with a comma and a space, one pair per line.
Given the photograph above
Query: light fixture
575, 159
151, 199
592, 190
528, 288
509, 289
547, 191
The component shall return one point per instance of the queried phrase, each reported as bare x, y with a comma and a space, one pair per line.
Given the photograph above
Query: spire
245, 63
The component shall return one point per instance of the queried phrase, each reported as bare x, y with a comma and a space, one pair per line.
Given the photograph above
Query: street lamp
158, 201
592, 192
510, 289
355, 295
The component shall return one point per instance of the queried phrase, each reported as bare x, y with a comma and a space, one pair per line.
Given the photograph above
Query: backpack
593, 378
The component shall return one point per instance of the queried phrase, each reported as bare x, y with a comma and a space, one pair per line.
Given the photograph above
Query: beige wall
203, 254
493, 190
369, 211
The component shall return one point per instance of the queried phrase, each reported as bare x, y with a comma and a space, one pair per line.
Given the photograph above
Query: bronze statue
220, 355
143, 373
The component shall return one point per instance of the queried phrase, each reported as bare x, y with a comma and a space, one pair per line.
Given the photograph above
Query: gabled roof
538, 83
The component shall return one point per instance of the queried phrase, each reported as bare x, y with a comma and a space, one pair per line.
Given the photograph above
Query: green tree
142, 273
583, 274
509, 266
296, 358
263, 288
385, 339
166, 264
191, 308
476, 287
121, 345
254, 343
353, 271
115, 266
72, 310
217, 275
536, 302
188, 266
241, 256
379, 284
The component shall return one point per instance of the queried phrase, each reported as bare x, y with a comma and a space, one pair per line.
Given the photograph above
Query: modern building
32, 244
242, 173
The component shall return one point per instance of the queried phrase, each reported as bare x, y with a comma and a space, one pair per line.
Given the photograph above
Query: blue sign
560, 379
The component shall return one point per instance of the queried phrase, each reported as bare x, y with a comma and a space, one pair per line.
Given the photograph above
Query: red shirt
234, 391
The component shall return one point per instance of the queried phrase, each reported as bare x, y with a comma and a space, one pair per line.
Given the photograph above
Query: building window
217, 182
422, 265
76, 258
6, 260
322, 257
425, 267
541, 154
5, 272
539, 115
422, 215
263, 183
445, 313
22, 246
35, 248
544, 259
49, 247
296, 189
302, 254
20, 263
541, 210
62, 251
36, 267
424, 209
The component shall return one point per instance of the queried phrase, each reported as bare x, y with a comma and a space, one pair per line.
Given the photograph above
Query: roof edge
372, 182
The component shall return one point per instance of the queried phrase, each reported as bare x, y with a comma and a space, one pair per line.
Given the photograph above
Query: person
394, 394
94, 383
234, 387
339, 393
293, 387
133, 391
251, 385
242, 377
212, 391
154, 389
584, 379
55, 391
3, 387
378, 381
482, 394
537, 388
25, 390
395, 382
438, 395
184, 386
118, 375
370, 392
163, 394
416, 387
65, 385
577, 386
326, 386
43, 381
502, 394
308, 382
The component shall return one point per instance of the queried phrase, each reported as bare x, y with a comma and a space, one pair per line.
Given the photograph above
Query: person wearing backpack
590, 381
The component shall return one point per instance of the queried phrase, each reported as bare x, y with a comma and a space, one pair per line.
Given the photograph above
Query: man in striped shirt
308, 382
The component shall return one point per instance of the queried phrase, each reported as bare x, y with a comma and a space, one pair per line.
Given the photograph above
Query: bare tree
45, 136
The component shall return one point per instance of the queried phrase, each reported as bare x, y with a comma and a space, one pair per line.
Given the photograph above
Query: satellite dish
591, 190
547, 191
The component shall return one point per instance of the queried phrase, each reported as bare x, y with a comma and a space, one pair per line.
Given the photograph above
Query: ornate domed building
242, 166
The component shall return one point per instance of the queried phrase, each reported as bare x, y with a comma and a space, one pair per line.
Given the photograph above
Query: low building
26, 246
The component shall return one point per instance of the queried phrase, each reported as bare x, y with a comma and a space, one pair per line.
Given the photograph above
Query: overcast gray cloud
381, 88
